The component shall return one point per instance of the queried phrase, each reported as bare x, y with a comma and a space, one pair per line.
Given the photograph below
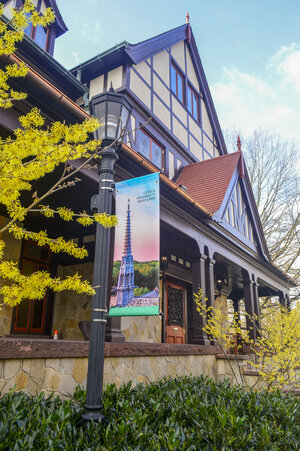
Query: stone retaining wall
58, 366
61, 375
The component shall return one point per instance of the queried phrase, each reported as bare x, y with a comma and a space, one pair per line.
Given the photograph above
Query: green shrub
185, 413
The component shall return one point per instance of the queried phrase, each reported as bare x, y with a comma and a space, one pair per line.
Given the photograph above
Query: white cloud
247, 101
286, 62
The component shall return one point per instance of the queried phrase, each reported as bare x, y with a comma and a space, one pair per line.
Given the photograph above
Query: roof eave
29, 44
137, 52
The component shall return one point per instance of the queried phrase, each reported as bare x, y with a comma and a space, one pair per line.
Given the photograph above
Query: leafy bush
172, 414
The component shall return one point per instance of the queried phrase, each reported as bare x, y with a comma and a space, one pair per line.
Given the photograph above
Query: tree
273, 167
276, 352
34, 151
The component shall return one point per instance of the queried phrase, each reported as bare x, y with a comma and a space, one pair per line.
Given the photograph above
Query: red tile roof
207, 181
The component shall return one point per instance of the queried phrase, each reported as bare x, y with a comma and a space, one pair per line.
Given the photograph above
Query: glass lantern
113, 111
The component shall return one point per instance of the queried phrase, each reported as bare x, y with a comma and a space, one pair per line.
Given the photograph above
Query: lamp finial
111, 87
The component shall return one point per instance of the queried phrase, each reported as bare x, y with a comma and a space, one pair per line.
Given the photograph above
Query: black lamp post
113, 111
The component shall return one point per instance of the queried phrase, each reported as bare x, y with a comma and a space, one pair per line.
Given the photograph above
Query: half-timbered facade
211, 235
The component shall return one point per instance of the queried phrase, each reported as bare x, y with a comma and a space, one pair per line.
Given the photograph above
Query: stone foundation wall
57, 366
61, 375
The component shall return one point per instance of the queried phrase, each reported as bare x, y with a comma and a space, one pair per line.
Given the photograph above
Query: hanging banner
135, 289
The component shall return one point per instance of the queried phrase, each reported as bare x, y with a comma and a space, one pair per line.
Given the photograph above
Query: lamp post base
93, 414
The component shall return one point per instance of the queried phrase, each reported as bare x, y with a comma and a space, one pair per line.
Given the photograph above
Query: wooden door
29, 317
175, 324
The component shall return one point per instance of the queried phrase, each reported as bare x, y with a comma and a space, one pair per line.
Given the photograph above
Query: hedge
185, 413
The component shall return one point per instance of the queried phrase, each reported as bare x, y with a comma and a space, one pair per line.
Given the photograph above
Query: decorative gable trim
143, 50
59, 22
238, 212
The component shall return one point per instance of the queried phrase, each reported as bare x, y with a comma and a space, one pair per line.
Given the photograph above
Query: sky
250, 50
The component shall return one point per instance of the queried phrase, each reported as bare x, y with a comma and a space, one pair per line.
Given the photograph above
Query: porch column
210, 282
235, 300
256, 307
249, 307
282, 299
287, 302
197, 335
237, 318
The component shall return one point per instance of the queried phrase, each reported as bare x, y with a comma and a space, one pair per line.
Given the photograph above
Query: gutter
31, 44
54, 93
171, 185
100, 56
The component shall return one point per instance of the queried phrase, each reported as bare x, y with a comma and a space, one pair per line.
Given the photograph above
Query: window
39, 34
151, 149
40, 37
171, 165
177, 83
30, 315
193, 102
190, 98
28, 29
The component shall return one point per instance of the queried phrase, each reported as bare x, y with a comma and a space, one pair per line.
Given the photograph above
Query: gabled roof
207, 181
59, 23
140, 51
145, 49
211, 182
135, 53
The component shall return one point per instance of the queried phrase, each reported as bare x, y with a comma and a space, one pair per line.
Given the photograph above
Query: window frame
178, 74
33, 34
151, 140
193, 93
186, 88
33, 31
47, 308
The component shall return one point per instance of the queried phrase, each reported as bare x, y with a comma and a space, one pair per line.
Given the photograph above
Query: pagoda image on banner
123, 293
125, 285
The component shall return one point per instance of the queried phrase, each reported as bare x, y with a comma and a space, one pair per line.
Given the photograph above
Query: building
211, 235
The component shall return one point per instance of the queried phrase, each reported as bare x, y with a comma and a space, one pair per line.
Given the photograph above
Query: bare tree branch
273, 166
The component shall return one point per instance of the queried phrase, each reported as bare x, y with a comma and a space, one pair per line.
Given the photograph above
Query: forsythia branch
276, 352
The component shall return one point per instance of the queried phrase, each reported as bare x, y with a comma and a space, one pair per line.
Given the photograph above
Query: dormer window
151, 149
44, 37
41, 36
